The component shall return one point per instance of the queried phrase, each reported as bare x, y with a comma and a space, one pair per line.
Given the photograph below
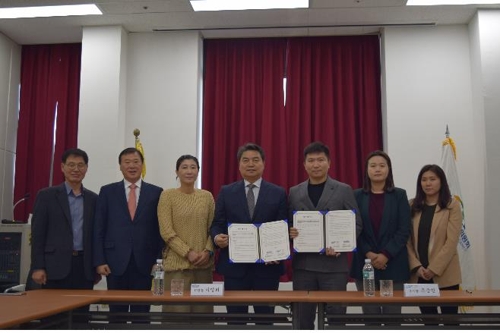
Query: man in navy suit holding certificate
251, 200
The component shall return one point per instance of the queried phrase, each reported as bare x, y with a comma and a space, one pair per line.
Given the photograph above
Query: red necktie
132, 200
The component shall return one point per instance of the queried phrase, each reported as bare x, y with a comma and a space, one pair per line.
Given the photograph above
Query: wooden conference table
15, 310
446, 298
39, 304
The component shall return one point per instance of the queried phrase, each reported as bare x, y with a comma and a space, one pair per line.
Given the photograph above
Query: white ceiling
324, 17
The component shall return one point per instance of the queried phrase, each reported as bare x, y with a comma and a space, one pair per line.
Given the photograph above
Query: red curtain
50, 80
243, 102
333, 96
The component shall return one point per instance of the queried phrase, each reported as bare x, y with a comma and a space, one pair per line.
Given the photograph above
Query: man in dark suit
61, 237
127, 239
269, 204
318, 271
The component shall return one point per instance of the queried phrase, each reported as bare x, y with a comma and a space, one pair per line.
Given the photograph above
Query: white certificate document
274, 241
311, 232
340, 230
243, 242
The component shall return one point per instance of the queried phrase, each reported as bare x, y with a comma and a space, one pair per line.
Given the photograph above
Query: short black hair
317, 147
250, 146
130, 150
186, 157
75, 152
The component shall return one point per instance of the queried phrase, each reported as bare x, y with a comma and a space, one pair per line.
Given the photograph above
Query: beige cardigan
443, 255
185, 221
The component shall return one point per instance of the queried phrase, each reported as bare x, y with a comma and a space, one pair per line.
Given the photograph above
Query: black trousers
434, 309
75, 279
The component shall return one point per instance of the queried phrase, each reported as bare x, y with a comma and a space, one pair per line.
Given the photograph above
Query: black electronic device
15, 254
10, 259
5, 221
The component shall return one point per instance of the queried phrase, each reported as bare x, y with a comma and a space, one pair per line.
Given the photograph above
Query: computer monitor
15, 254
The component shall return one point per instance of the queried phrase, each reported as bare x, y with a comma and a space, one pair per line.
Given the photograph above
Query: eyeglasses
79, 166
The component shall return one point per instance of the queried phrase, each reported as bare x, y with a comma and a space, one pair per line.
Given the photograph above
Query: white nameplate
421, 289
207, 289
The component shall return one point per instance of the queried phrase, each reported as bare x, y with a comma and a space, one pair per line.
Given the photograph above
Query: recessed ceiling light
450, 2
49, 11
219, 5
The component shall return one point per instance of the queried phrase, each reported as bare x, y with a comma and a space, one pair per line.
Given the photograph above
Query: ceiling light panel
49, 11
450, 2
220, 5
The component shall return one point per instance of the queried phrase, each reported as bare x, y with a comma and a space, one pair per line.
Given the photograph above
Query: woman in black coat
385, 212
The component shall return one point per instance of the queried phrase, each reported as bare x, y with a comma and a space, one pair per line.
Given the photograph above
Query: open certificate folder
258, 243
319, 230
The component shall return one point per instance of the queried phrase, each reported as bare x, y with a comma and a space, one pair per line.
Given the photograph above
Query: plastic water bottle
368, 278
158, 278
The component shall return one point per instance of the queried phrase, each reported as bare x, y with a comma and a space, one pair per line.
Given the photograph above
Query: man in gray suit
320, 271
61, 251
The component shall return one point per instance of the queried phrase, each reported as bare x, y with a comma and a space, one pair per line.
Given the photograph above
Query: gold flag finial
139, 147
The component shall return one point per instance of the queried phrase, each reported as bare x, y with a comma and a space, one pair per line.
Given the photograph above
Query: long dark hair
444, 192
389, 182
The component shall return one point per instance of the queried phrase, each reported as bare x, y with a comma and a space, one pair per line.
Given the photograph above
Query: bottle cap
368, 261
159, 261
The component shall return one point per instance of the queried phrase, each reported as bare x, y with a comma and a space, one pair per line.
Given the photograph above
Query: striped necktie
251, 199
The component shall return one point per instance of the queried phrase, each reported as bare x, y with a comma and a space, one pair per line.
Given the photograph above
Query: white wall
162, 99
428, 86
102, 102
10, 63
478, 123
486, 34
159, 97
441, 76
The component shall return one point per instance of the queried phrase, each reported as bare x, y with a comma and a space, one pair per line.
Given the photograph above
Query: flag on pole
448, 163
139, 147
